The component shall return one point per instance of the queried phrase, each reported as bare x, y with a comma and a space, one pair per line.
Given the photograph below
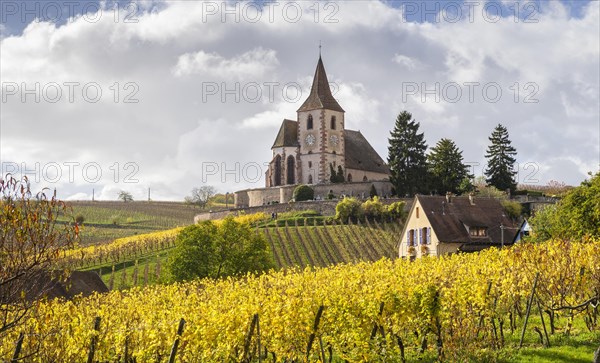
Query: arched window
291, 170
309, 123
333, 122
310, 179
277, 171
349, 177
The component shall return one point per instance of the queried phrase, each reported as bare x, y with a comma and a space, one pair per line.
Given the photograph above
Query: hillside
330, 244
139, 260
462, 308
105, 221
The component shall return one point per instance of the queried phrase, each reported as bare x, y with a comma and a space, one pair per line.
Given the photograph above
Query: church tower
320, 131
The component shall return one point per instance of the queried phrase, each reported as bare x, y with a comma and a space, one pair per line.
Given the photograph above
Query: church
308, 149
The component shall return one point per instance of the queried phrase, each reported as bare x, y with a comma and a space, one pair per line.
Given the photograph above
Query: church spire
320, 94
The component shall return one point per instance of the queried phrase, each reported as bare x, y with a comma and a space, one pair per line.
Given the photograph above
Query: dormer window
478, 231
333, 122
309, 122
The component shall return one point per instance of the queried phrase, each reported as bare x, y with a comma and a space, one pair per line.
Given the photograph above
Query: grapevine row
450, 307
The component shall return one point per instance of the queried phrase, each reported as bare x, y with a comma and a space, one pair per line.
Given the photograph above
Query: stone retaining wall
283, 194
325, 207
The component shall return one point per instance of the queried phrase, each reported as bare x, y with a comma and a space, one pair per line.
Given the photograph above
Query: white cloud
251, 64
407, 62
370, 53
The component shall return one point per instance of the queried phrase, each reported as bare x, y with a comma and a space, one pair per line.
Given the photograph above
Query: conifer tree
406, 158
446, 168
340, 174
500, 160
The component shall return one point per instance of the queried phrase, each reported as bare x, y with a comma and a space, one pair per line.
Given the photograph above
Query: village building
439, 225
308, 149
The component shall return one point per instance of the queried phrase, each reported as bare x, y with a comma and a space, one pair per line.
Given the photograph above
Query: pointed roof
287, 135
320, 94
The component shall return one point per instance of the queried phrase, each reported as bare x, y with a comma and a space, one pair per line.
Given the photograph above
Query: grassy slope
108, 220
579, 347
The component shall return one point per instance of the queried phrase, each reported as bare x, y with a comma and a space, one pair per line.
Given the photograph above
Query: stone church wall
358, 175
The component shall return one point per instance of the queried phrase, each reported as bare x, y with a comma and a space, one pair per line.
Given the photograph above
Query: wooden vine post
543, 323
94, 340
529, 303
176, 342
313, 335
15, 357
254, 325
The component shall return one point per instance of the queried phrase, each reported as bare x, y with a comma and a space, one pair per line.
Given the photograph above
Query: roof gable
287, 135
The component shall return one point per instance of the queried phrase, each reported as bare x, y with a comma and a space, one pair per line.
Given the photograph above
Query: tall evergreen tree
500, 161
446, 167
406, 158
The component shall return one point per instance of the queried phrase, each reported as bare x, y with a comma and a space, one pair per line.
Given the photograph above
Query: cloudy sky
172, 95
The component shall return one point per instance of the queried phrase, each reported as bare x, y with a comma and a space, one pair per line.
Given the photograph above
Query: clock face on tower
334, 140
310, 139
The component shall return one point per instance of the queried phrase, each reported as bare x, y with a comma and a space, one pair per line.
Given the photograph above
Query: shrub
396, 211
79, 219
373, 209
348, 208
115, 219
512, 209
576, 216
303, 192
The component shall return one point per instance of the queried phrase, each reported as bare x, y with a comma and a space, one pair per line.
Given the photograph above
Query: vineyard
478, 307
138, 260
326, 245
106, 221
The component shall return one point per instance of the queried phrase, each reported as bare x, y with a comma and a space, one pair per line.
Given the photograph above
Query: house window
425, 232
333, 122
309, 123
349, 177
310, 164
310, 179
411, 238
365, 178
478, 231
417, 212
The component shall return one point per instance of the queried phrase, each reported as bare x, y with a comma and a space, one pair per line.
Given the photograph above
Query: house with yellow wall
439, 225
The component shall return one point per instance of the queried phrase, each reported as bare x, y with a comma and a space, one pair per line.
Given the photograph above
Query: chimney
472, 198
448, 197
